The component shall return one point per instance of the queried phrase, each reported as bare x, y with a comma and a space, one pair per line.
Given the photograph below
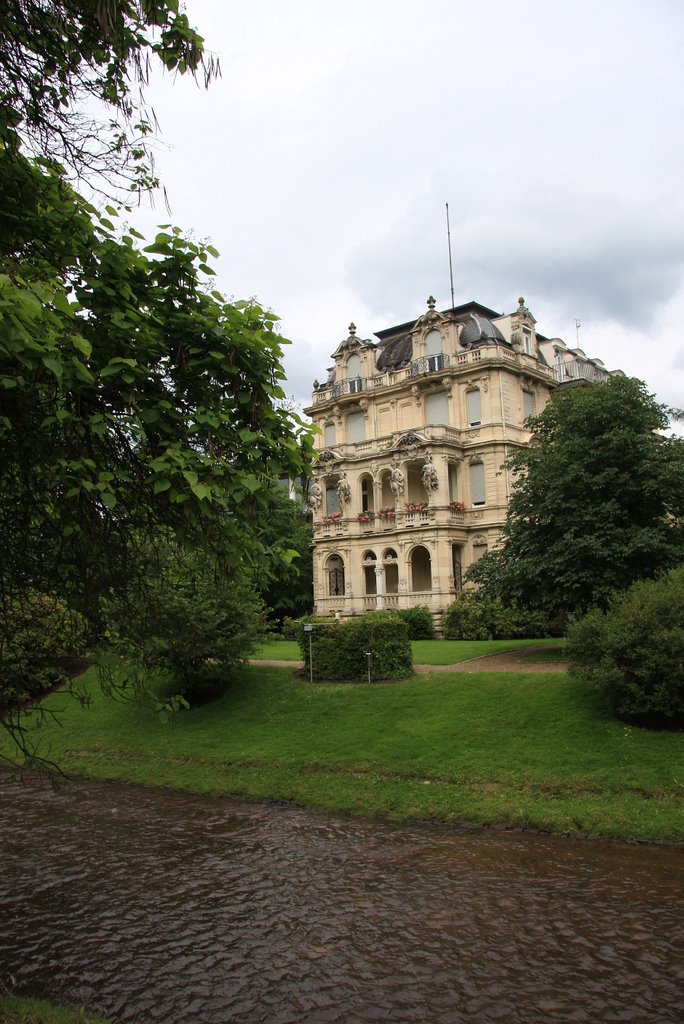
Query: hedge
339, 649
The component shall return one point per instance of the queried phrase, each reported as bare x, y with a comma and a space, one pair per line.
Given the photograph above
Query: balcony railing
433, 515
430, 364
349, 387
575, 370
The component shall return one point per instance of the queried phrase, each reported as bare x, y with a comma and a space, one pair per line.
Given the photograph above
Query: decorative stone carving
315, 495
396, 479
429, 476
343, 490
327, 456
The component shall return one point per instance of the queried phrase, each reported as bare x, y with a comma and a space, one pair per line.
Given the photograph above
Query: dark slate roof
457, 311
395, 353
479, 330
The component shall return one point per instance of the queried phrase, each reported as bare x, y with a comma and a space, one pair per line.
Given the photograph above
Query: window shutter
528, 404
437, 408
474, 407
356, 427
477, 483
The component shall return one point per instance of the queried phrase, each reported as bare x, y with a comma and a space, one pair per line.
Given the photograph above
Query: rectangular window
528, 404
437, 408
356, 427
474, 407
477, 483
331, 503
329, 435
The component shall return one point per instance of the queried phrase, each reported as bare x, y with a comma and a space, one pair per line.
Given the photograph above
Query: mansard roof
457, 312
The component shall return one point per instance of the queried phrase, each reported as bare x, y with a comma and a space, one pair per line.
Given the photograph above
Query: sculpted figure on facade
343, 491
315, 495
429, 476
396, 479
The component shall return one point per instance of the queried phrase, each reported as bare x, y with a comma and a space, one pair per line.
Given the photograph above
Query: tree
135, 403
66, 66
192, 619
597, 502
286, 586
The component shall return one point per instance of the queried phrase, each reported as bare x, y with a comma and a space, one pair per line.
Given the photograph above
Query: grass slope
15, 1010
525, 750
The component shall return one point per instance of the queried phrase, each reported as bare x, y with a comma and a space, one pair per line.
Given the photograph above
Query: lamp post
308, 628
369, 658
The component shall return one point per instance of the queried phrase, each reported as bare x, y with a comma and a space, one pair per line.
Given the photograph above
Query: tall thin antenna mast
451, 269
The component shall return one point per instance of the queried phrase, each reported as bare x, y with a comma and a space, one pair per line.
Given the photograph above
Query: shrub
339, 648
473, 616
420, 622
38, 632
635, 651
190, 620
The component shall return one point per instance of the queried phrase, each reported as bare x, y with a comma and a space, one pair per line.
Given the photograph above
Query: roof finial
431, 304
352, 330
521, 302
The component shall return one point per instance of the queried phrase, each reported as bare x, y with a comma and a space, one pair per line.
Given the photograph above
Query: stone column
379, 587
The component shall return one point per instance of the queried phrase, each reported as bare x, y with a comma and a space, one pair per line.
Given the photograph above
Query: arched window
434, 344
391, 564
335, 571
369, 576
421, 569
354, 373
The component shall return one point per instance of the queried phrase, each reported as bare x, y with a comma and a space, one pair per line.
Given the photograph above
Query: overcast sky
320, 163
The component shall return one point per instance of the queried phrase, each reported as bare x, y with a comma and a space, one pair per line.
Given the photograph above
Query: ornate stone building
409, 487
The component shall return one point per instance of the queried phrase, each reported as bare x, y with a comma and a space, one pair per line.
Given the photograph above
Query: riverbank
15, 1010
502, 749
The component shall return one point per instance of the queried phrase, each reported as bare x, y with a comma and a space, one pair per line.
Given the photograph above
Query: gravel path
510, 661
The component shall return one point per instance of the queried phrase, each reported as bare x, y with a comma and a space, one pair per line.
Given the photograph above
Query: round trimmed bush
635, 652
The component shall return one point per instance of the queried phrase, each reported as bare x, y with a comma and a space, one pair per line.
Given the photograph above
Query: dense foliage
72, 72
597, 502
187, 617
420, 622
634, 651
340, 649
286, 586
39, 634
137, 406
475, 616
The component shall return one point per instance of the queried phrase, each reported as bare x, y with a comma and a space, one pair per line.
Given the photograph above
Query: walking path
510, 661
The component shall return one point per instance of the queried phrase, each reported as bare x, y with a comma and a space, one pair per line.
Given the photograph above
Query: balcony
434, 364
575, 370
403, 519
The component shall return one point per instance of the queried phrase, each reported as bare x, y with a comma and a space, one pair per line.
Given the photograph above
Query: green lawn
425, 652
14, 1010
534, 750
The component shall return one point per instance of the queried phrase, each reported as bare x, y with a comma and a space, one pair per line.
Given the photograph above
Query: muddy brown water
153, 906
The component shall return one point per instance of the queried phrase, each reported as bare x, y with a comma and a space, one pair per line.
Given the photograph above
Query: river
154, 906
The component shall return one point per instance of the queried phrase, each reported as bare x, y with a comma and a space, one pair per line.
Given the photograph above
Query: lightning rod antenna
451, 268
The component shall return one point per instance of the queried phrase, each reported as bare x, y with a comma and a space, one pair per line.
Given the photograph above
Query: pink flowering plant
332, 517
417, 506
366, 517
457, 506
389, 512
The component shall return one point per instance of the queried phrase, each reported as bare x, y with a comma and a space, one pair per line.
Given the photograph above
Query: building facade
409, 487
